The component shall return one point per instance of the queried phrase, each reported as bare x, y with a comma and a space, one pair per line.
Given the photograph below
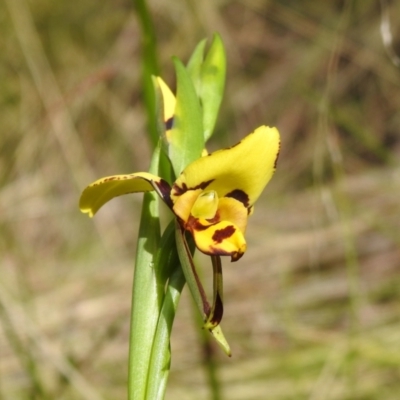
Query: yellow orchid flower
213, 196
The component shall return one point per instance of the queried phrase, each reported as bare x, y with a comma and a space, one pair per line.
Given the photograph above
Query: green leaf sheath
146, 301
161, 352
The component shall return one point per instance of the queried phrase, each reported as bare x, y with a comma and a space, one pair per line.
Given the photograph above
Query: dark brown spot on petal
222, 234
169, 123
111, 178
239, 195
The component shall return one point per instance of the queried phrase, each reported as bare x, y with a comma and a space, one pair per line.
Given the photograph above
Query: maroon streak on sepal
163, 189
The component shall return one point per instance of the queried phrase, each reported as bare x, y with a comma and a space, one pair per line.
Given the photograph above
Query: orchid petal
183, 205
241, 171
169, 103
232, 210
105, 189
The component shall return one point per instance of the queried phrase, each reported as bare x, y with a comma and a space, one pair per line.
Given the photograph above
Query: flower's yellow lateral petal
169, 102
183, 205
105, 189
232, 210
241, 171
221, 239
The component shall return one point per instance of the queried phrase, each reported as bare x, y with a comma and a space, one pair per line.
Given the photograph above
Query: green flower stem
146, 299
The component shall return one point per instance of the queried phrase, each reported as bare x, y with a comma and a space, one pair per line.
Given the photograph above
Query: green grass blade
149, 66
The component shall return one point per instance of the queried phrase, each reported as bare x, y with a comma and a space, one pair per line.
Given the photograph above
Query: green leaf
167, 257
146, 301
187, 141
195, 63
165, 167
159, 107
213, 73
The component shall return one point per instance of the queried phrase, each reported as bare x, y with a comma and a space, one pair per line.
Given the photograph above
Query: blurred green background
312, 311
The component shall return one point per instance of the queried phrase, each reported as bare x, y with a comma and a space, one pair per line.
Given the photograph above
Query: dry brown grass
312, 310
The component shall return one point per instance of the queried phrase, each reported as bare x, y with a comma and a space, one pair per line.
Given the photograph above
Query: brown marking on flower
222, 234
236, 256
214, 251
164, 190
216, 218
193, 224
218, 311
112, 178
179, 190
169, 123
239, 195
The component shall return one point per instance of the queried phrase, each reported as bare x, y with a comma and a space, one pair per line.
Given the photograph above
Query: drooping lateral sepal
197, 290
217, 308
105, 189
